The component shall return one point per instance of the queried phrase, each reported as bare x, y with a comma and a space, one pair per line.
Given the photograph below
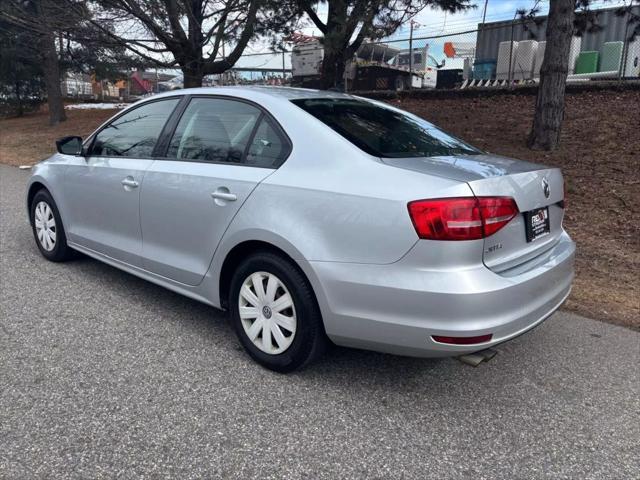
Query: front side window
383, 131
135, 133
214, 130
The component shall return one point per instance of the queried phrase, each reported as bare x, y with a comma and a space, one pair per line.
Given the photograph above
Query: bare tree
190, 34
350, 22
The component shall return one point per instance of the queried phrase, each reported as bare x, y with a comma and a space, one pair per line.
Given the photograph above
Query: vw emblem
545, 188
266, 311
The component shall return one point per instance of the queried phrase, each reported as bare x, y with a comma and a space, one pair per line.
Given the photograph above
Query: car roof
267, 96
251, 92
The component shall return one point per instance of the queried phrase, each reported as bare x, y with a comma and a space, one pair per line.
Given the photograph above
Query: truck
375, 66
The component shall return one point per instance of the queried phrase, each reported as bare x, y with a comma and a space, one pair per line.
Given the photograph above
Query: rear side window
267, 148
214, 130
135, 133
381, 131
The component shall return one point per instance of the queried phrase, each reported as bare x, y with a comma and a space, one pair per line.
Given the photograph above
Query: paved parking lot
104, 375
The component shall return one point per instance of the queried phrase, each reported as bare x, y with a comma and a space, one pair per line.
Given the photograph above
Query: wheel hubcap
267, 312
45, 226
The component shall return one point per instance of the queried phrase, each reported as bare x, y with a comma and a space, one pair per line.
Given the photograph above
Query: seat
205, 138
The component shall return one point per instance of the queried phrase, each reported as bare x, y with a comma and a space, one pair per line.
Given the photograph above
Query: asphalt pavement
104, 375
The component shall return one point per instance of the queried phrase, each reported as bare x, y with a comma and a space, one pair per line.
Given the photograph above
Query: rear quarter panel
333, 202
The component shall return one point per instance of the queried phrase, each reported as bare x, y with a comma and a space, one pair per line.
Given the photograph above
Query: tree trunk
20, 106
193, 65
547, 122
335, 43
52, 78
333, 66
192, 77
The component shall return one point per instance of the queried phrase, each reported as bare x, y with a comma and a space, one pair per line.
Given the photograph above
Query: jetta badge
545, 188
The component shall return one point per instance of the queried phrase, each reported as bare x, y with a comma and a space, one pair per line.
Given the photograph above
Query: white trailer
376, 66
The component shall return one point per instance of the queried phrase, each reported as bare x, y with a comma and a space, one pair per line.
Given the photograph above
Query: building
104, 89
614, 28
77, 85
143, 82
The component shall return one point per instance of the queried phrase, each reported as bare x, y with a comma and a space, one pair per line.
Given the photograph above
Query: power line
467, 23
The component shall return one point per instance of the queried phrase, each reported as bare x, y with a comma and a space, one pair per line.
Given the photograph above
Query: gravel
105, 375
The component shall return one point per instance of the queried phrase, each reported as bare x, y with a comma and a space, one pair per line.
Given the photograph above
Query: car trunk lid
535, 188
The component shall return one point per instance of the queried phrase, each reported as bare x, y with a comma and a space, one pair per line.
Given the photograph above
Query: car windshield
383, 131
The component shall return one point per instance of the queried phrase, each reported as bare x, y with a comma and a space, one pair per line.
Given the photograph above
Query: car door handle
129, 182
229, 197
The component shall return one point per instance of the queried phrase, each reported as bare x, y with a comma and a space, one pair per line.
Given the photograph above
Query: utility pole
284, 72
411, 23
513, 24
128, 88
484, 12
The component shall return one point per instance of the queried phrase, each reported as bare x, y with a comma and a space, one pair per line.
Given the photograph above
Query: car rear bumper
397, 308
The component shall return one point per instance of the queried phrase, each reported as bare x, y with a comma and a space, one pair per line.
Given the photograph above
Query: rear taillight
496, 212
466, 218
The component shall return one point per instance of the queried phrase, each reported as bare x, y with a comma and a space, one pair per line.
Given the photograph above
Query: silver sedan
312, 216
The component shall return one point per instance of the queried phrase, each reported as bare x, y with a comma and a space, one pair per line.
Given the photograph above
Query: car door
102, 190
221, 149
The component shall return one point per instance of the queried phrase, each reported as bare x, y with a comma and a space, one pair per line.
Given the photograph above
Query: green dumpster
587, 62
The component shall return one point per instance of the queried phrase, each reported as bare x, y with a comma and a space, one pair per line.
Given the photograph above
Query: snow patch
95, 106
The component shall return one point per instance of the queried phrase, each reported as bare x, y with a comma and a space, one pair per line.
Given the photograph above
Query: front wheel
275, 313
47, 228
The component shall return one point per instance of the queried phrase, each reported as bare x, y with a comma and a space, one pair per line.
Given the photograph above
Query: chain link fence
271, 68
500, 55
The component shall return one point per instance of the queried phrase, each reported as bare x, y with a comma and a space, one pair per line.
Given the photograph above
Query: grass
29, 139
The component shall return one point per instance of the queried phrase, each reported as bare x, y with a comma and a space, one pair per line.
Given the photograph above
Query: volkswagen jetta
312, 215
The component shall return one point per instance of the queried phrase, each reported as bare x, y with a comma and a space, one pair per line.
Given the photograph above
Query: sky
434, 21
431, 21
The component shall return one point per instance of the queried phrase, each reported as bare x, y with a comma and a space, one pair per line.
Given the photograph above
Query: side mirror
69, 145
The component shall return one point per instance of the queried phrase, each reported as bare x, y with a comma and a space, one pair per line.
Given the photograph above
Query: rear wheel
47, 228
275, 314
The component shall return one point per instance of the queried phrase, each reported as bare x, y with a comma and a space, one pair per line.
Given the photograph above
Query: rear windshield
384, 132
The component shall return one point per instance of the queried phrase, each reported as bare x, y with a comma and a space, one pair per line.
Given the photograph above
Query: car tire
300, 326
47, 228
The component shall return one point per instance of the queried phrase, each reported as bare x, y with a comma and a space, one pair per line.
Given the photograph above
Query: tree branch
308, 9
217, 66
